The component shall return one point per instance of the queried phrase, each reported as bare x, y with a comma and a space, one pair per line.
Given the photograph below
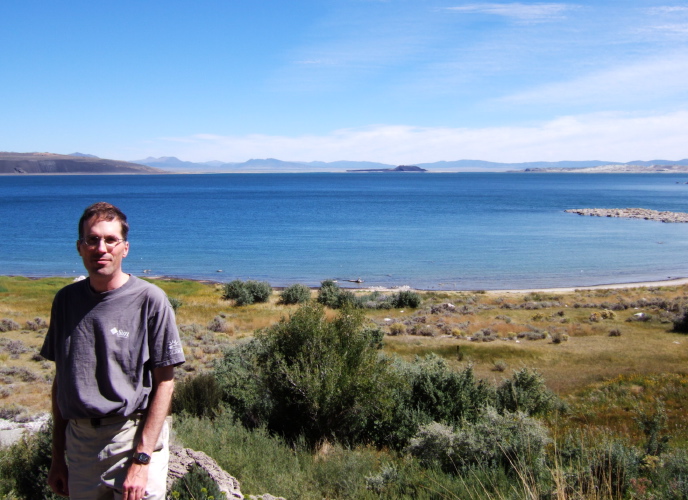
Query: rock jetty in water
632, 213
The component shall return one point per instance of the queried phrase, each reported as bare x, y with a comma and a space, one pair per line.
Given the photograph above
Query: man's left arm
161, 398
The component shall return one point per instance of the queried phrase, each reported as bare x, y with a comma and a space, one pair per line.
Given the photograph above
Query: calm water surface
434, 231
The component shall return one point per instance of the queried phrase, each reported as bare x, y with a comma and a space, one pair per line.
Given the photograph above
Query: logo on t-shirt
174, 347
119, 333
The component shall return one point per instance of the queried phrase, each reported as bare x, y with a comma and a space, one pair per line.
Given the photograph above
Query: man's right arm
58, 474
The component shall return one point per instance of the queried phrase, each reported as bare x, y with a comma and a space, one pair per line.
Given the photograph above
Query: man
115, 344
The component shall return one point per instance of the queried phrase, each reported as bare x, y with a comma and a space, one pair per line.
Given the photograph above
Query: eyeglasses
93, 242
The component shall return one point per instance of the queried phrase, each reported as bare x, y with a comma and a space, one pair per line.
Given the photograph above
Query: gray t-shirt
105, 346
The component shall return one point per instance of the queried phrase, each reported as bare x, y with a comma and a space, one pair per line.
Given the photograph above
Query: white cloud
668, 10
608, 137
678, 29
522, 12
651, 80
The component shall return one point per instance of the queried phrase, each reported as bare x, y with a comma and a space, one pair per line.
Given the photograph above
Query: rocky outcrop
183, 459
632, 213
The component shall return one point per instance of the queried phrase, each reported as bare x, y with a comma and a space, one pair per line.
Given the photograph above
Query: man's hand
134, 487
58, 477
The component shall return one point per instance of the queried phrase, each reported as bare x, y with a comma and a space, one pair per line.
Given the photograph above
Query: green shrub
246, 293
259, 290
654, 426
199, 396
681, 321
328, 295
195, 485
295, 294
512, 441
612, 466
674, 474
243, 298
526, 392
442, 394
331, 295
375, 336
240, 378
233, 290
176, 303
24, 466
309, 376
406, 298
429, 390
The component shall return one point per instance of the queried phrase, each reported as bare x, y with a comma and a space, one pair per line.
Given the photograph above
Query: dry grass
587, 357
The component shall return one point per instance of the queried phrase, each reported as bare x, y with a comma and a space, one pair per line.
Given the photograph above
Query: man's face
101, 259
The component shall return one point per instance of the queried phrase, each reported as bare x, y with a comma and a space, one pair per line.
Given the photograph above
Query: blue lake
432, 231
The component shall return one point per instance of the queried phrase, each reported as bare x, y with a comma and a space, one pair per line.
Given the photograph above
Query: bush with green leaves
199, 396
259, 290
195, 485
526, 392
328, 295
295, 294
233, 290
429, 390
511, 441
407, 298
612, 465
443, 394
176, 303
327, 380
247, 292
681, 321
331, 295
307, 376
24, 466
241, 380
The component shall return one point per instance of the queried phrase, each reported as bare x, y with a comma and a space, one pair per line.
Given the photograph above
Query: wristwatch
142, 458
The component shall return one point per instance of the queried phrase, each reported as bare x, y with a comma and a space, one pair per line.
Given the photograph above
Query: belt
113, 419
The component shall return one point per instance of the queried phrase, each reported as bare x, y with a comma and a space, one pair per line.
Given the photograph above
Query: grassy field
609, 354
618, 342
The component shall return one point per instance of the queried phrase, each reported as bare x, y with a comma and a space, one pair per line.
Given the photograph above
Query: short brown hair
104, 211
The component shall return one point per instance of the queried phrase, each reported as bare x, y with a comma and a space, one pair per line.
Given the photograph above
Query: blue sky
394, 81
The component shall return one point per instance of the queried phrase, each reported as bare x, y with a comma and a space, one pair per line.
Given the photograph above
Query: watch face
142, 458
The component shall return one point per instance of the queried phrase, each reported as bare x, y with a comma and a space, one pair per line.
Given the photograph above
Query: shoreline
380, 288
563, 289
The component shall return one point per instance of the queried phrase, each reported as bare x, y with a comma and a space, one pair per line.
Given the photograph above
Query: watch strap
142, 458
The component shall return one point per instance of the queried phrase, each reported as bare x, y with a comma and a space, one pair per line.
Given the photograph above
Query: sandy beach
640, 284
643, 284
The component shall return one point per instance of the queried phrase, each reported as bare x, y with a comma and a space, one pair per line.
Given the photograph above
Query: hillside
49, 163
174, 164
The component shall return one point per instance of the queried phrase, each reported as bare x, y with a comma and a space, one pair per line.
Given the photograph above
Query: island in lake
400, 168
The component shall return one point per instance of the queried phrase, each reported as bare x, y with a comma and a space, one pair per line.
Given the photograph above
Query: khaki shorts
99, 456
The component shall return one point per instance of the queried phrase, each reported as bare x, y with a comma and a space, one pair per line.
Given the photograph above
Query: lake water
431, 231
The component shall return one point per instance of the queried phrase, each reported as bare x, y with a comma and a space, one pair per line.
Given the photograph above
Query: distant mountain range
273, 165
81, 163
